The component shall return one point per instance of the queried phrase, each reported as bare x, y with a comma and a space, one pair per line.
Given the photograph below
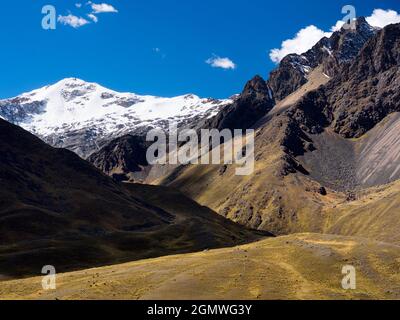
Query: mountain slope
363, 95
82, 116
124, 157
353, 164
58, 209
375, 214
300, 266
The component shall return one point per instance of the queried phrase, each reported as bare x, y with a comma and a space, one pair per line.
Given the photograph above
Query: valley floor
299, 266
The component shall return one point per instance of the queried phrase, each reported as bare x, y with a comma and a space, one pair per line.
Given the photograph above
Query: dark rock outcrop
361, 94
369, 89
254, 102
353, 103
122, 157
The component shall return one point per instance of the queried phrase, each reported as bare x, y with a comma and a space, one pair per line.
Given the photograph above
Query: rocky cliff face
368, 90
124, 158
361, 94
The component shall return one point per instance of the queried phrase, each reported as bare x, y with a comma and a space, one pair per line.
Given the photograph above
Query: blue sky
157, 47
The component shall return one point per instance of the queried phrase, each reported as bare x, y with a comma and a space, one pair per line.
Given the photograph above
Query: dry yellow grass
375, 215
302, 266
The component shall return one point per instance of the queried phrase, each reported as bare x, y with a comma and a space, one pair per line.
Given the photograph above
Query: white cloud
381, 18
77, 22
102, 7
307, 37
73, 21
338, 26
218, 62
93, 17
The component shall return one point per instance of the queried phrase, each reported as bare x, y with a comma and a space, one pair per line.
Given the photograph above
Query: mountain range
319, 147
327, 162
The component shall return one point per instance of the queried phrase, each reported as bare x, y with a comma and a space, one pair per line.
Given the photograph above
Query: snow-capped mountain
83, 116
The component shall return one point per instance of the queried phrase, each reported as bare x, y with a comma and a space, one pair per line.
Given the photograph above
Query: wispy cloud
73, 21
77, 21
102, 8
93, 17
218, 62
307, 37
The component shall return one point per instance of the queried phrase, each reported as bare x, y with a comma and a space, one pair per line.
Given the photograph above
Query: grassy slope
376, 215
300, 266
57, 209
291, 204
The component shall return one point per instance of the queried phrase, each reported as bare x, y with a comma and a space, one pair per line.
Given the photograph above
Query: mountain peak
72, 83
71, 80
330, 53
255, 85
